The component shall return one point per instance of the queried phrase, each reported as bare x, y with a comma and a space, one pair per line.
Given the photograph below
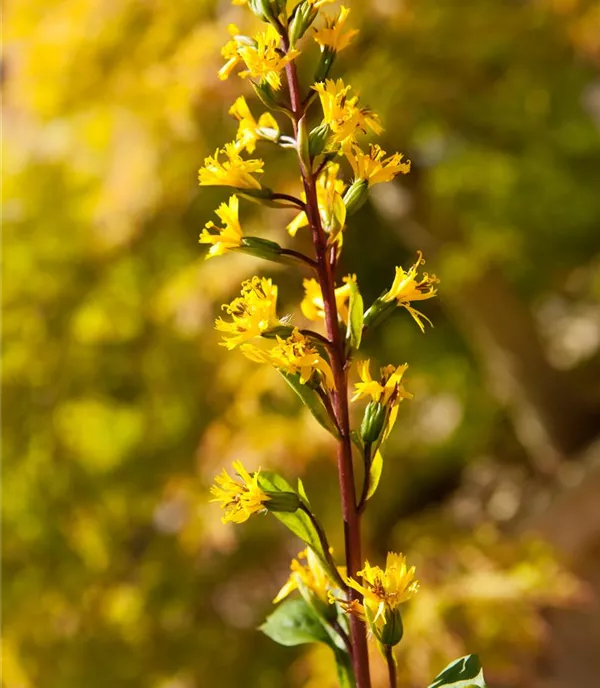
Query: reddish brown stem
350, 513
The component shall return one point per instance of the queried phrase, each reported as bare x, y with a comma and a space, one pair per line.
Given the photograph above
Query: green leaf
375, 470
311, 400
294, 623
465, 672
302, 492
345, 672
355, 316
269, 481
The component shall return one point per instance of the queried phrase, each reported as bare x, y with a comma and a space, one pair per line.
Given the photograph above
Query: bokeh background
119, 405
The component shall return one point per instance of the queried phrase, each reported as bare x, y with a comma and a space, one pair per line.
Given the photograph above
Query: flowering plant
341, 606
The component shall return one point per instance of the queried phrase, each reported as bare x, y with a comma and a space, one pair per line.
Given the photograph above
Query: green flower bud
372, 422
378, 312
286, 502
317, 139
261, 248
393, 628
303, 17
356, 195
325, 65
303, 144
268, 96
283, 331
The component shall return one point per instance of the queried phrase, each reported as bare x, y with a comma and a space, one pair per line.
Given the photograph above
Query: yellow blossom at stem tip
249, 130
233, 171
331, 35
240, 498
261, 55
388, 385
252, 313
312, 576
407, 287
225, 238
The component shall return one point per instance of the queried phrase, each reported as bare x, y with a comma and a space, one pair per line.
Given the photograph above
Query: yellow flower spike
374, 167
240, 498
312, 305
225, 238
384, 590
252, 313
234, 171
329, 198
407, 287
332, 36
311, 575
294, 355
342, 113
249, 130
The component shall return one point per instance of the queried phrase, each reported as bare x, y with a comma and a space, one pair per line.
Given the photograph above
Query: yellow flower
312, 305
252, 313
225, 238
331, 36
293, 355
311, 576
388, 385
240, 498
342, 113
383, 591
375, 168
330, 201
249, 130
320, 3
407, 288
232, 172
261, 54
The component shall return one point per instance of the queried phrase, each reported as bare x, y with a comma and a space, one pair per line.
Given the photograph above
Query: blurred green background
119, 406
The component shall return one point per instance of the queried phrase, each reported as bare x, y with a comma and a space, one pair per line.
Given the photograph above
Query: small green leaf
375, 470
355, 316
302, 492
465, 672
294, 623
269, 481
311, 400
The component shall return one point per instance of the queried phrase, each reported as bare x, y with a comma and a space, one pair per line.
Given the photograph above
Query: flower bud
304, 16
303, 144
372, 422
378, 312
261, 248
283, 331
325, 65
393, 628
267, 96
356, 195
286, 502
317, 139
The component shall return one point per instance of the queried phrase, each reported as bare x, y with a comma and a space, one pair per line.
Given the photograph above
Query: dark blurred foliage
119, 405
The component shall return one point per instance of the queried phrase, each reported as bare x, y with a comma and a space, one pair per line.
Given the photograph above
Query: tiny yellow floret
385, 590
225, 238
312, 305
332, 35
249, 130
342, 114
234, 171
311, 575
240, 498
252, 313
294, 355
407, 287
374, 167
389, 384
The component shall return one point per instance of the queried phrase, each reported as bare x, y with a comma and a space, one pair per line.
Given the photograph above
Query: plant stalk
391, 663
350, 514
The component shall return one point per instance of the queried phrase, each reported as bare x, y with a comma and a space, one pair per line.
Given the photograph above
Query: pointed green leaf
294, 623
355, 316
465, 672
302, 492
345, 672
375, 470
311, 400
